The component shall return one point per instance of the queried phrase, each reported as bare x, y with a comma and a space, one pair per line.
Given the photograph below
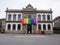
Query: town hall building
28, 20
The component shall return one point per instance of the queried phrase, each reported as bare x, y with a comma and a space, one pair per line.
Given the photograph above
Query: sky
39, 4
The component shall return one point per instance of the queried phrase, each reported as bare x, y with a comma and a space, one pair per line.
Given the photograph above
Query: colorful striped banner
29, 21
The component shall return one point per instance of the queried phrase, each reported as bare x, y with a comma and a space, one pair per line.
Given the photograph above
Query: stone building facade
56, 25
14, 16
56, 22
2, 24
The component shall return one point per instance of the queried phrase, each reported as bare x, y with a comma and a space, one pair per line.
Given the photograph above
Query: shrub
56, 28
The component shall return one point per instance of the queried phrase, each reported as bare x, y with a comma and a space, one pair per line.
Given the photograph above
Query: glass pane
48, 17
14, 17
19, 26
39, 27
14, 26
9, 26
44, 27
9, 17
44, 18
39, 17
19, 17
48, 27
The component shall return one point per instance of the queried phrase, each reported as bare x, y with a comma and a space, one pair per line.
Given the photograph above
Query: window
19, 26
19, 17
44, 27
48, 17
14, 17
9, 17
39, 17
44, 18
14, 26
9, 26
49, 27
39, 27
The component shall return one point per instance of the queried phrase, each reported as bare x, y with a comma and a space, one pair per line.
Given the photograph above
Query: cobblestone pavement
29, 39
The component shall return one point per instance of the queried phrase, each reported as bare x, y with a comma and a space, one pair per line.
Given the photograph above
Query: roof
2, 19
58, 17
28, 8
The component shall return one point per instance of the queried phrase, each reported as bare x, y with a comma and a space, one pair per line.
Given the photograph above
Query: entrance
29, 29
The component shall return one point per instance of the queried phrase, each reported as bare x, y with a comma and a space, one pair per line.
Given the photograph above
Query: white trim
16, 17
37, 27
46, 17
46, 27
11, 17
42, 27
12, 25
16, 27
21, 26
6, 27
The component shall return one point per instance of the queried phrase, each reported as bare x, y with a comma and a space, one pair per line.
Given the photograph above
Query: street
29, 39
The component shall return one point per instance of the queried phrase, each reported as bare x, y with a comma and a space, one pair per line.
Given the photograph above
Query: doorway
29, 29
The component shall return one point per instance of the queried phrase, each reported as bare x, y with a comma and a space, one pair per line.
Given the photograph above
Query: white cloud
39, 4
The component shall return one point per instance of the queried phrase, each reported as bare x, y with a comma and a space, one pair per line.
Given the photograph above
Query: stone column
41, 17
21, 15
6, 26
33, 28
37, 28
46, 27
11, 27
11, 17
25, 28
41, 27
50, 17
6, 17
17, 17
46, 17
16, 27
51, 27
21, 27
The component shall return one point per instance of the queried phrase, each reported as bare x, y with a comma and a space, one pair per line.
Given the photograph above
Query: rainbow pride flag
29, 20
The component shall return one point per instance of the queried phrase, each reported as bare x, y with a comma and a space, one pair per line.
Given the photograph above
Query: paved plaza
29, 39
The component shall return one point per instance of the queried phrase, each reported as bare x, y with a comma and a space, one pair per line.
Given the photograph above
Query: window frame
39, 27
9, 27
19, 17
19, 26
39, 17
44, 26
48, 17
14, 27
14, 17
49, 27
9, 17
44, 17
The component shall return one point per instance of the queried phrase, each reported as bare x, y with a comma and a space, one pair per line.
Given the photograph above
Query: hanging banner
29, 21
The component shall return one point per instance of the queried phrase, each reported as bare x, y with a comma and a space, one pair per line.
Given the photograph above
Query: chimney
50, 9
7, 9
